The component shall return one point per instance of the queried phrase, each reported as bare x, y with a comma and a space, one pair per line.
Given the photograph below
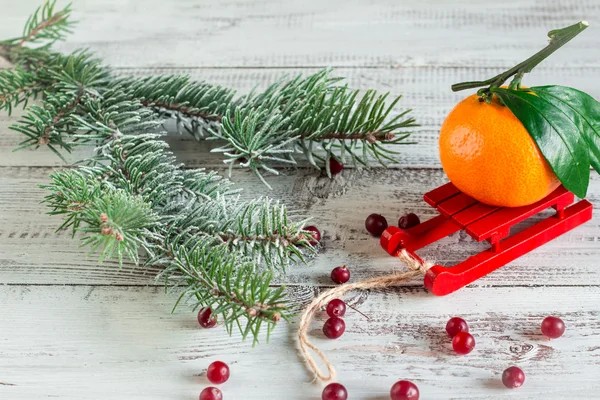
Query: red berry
334, 391
217, 372
513, 377
334, 327
340, 274
316, 234
336, 308
463, 343
211, 393
456, 325
376, 224
408, 221
335, 167
404, 390
205, 318
553, 327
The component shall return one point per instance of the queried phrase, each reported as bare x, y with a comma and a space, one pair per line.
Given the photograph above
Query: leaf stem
558, 38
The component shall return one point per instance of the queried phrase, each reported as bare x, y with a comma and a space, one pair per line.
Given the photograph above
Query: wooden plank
81, 343
271, 33
30, 251
426, 91
74, 339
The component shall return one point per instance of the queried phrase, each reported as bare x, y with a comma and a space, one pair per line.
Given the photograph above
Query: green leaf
560, 139
585, 111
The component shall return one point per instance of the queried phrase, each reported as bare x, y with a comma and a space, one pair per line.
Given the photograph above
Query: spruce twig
44, 26
131, 200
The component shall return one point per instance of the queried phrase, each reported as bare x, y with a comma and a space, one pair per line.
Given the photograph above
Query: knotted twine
416, 268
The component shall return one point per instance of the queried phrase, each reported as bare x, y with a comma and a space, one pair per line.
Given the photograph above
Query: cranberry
553, 327
404, 390
463, 343
316, 234
456, 325
376, 224
205, 318
336, 308
211, 393
335, 167
217, 372
340, 274
334, 391
513, 377
334, 327
408, 221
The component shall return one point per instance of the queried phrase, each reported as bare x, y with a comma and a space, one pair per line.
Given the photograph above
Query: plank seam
296, 285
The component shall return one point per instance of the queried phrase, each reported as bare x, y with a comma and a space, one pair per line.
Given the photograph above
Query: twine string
416, 268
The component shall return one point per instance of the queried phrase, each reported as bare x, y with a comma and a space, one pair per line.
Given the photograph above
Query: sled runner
482, 222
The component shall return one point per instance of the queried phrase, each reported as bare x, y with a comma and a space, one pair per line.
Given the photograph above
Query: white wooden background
72, 329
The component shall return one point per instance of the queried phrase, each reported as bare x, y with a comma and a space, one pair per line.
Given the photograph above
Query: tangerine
488, 154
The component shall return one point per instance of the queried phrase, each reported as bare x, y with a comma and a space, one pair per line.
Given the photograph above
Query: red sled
482, 222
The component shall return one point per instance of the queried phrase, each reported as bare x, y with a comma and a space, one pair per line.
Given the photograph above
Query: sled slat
444, 192
456, 204
473, 213
504, 218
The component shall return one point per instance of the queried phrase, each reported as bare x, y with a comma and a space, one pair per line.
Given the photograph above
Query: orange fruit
488, 154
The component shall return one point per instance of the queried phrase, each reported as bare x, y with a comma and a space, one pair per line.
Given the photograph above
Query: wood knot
521, 349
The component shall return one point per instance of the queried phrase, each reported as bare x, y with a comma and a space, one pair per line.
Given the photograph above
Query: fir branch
315, 116
132, 200
16, 87
259, 228
289, 118
45, 25
71, 191
213, 274
179, 94
148, 203
58, 118
78, 71
29, 59
183, 109
271, 126
370, 137
49, 124
233, 287
119, 224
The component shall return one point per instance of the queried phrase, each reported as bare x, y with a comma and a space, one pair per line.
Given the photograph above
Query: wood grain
75, 330
270, 33
425, 90
77, 343
30, 251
